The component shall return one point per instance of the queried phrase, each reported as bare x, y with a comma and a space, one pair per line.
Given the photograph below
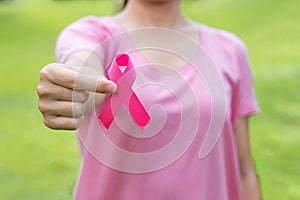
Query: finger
66, 109
93, 82
62, 123
57, 92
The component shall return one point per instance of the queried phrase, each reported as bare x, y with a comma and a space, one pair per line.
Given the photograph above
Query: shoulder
85, 34
91, 21
223, 36
224, 44
93, 26
227, 50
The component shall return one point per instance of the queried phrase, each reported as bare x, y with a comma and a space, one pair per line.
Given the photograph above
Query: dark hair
124, 4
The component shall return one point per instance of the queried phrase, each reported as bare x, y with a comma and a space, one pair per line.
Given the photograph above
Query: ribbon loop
120, 67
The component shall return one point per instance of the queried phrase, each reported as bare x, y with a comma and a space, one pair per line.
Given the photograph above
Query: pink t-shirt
125, 162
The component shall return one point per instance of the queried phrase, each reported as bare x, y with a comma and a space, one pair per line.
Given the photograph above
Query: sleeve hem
249, 113
246, 114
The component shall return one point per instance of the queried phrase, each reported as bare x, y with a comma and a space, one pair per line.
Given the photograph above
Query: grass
37, 163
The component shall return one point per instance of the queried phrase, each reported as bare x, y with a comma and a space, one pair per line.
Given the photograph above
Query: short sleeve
244, 101
83, 35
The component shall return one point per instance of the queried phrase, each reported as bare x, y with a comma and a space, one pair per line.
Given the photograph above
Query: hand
63, 92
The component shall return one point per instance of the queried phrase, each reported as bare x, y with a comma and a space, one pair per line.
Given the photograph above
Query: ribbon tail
107, 116
137, 111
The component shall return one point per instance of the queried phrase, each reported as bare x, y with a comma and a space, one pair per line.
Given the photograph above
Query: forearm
250, 186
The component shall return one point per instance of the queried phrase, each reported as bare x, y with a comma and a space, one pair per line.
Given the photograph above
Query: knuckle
48, 71
72, 83
65, 109
50, 66
83, 96
43, 107
44, 73
80, 97
78, 109
69, 125
48, 123
86, 94
42, 90
78, 122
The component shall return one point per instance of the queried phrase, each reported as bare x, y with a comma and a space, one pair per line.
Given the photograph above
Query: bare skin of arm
65, 90
250, 186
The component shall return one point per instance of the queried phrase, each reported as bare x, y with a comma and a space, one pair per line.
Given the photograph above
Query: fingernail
110, 87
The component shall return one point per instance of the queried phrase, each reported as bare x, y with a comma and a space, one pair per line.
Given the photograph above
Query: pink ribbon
123, 68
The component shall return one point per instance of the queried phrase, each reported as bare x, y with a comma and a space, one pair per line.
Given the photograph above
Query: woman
226, 173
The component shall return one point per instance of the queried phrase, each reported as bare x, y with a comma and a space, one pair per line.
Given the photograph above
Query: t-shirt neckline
121, 29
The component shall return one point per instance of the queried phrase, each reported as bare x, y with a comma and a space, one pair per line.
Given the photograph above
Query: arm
64, 90
250, 186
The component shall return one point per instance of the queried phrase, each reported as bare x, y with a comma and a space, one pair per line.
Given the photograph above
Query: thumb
92, 81
106, 86
92, 84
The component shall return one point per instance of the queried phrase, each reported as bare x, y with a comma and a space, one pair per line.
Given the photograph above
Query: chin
158, 1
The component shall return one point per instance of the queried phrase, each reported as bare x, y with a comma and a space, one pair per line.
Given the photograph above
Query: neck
165, 14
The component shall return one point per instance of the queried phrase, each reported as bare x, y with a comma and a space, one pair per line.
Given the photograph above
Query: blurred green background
37, 163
